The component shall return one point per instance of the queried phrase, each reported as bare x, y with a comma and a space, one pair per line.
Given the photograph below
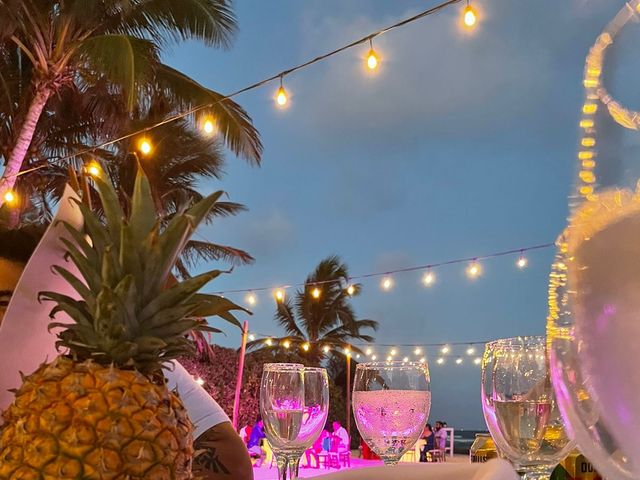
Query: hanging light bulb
417, 351
387, 283
326, 349
393, 352
93, 168
444, 350
368, 351
423, 360
405, 359
469, 16
200, 381
10, 197
145, 146
315, 293
252, 337
522, 261
372, 57
389, 358
429, 278
373, 357
440, 361
347, 351
250, 298
281, 95
208, 126
305, 347
474, 269
279, 295
286, 344
357, 355
471, 351
269, 342
477, 360
458, 361
351, 290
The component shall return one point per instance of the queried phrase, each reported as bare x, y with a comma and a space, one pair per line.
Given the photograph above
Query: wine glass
391, 402
520, 408
314, 416
282, 408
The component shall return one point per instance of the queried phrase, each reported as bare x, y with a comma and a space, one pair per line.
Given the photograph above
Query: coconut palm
76, 45
325, 319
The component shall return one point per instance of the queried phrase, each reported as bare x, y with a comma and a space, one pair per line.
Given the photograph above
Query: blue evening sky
461, 145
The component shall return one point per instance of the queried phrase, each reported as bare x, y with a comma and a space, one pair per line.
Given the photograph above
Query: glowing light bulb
279, 294
444, 350
389, 358
440, 361
316, 292
10, 197
393, 352
474, 270
351, 290
586, 123
93, 168
372, 59
405, 359
269, 342
305, 347
469, 16
417, 351
522, 262
145, 146
347, 352
429, 278
477, 360
326, 349
471, 351
458, 361
199, 381
368, 351
281, 97
373, 357
250, 299
423, 360
286, 344
252, 337
208, 126
387, 283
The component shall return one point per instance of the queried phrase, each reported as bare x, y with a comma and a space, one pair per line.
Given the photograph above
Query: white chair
448, 449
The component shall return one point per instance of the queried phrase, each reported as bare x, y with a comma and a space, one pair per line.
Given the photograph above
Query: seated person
315, 449
341, 432
429, 437
253, 445
25, 342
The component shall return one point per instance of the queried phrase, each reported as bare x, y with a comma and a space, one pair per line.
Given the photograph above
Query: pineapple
102, 410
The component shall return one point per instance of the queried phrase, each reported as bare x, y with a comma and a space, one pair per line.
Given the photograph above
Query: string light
326, 349
305, 347
368, 351
351, 290
387, 283
423, 360
347, 352
208, 126
440, 361
389, 358
93, 168
10, 197
357, 355
405, 359
372, 57
469, 16
200, 381
251, 299
393, 352
145, 147
477, 360
373, 357
458, 361
252, 337
286, 344
269, 342
417, 351
444, 350
279, 294
316, 292
429, 278
474, 270
522, 262
471, 351
281, 95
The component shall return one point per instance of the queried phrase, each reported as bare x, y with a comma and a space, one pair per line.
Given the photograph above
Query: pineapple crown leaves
125, 316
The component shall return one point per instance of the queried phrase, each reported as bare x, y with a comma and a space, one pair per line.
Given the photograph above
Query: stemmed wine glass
391, 403
519, 406
294, 402
282, 409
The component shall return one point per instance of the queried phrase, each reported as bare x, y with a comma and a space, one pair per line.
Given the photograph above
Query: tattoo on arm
208, 460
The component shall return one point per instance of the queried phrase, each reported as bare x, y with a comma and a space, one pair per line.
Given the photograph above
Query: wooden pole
349, 396
236, 400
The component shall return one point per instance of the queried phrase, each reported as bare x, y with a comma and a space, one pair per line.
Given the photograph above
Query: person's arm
221, 455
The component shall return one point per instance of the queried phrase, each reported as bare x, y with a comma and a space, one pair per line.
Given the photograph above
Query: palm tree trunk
21, 147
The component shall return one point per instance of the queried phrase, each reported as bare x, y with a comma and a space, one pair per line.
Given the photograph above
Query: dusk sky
461, 145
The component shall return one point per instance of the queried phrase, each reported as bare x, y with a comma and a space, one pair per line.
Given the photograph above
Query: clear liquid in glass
282, 426
390, 421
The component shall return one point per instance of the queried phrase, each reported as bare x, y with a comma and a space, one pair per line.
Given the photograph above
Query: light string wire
391, 272
277, 76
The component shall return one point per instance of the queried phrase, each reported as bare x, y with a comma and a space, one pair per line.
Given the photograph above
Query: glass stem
537, 475
294, 466
282, 463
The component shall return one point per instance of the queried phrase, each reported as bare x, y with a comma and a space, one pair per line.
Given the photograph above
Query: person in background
315, 449
440, 436
222, 454
341, 432
429, 437
253, 445
245, 433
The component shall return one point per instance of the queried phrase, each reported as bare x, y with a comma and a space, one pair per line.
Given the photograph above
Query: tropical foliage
326, 321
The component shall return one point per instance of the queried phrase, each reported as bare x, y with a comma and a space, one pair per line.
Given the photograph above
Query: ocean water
463, 439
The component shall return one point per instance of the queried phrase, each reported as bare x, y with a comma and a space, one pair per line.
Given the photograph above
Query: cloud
269, 236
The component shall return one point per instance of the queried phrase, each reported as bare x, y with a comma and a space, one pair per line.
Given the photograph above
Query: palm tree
76, 45
320, 315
